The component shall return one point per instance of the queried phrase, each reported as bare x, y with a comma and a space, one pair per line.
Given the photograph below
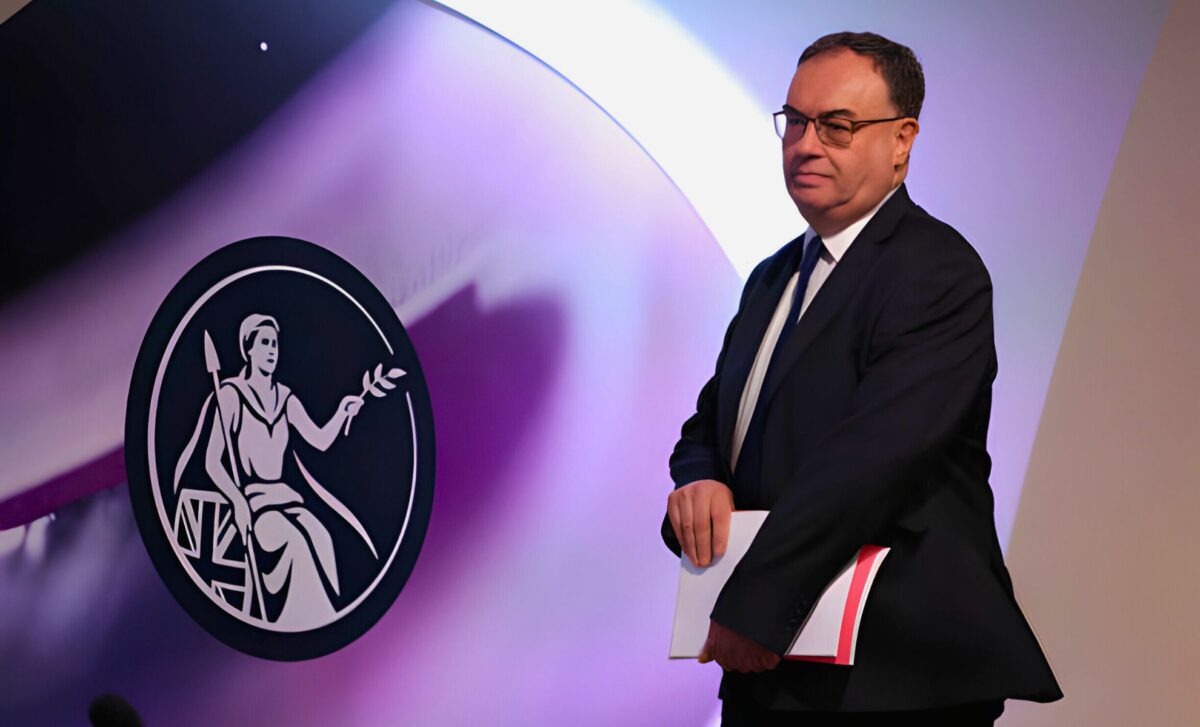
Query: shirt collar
837, 245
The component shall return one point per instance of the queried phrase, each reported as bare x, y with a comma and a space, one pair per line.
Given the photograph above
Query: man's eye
836, 125
793, 121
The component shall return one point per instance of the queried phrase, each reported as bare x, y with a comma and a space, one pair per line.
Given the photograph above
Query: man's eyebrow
846, 113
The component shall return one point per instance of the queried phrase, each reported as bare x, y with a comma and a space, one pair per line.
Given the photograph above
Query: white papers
830, 634
699, 587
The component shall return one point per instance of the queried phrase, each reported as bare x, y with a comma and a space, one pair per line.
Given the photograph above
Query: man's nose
808, 144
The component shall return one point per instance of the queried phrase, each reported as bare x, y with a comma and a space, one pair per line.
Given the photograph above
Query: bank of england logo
279, 448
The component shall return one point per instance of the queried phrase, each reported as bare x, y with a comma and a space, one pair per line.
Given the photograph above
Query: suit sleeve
930, 356
696, 453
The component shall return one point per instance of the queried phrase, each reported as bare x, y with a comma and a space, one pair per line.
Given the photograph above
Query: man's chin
810, 200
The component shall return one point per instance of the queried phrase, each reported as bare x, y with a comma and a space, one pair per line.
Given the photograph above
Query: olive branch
377, 384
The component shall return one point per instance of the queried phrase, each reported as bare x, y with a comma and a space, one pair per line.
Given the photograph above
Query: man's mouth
808, 177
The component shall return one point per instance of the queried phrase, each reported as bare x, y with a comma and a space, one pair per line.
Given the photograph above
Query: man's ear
906, 134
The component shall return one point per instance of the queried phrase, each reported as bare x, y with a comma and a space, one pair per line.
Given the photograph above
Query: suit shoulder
757, 272
765, 264
922, 242
774, 257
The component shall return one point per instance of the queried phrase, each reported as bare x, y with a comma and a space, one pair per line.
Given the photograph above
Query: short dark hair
897, 64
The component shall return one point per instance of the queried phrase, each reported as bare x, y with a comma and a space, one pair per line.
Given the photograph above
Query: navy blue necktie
749, 465
808, 263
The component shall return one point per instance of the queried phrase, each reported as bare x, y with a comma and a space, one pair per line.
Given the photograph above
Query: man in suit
851, 399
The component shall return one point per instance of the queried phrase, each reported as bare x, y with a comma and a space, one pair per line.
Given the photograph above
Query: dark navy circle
345, 513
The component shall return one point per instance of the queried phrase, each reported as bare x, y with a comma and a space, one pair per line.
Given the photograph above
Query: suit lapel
747, 336
847, 275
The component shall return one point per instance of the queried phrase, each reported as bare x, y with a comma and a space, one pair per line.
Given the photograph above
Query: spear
214, 365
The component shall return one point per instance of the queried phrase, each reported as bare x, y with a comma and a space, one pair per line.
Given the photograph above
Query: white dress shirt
835, 247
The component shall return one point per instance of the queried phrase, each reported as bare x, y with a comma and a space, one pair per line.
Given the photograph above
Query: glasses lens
789, 125
835, 131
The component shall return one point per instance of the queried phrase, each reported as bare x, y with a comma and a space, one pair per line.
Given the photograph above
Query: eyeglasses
831, 130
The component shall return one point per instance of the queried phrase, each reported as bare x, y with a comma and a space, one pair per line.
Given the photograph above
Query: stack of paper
829, 634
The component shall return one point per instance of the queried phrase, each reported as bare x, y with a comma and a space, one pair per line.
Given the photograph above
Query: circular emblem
279, 448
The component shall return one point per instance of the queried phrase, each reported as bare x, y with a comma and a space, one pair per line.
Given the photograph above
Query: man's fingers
700, 516
686, 526
718, 654
748, 662
764, 659
721, 515
677, 507
673, 516
702, 522
735, 652
706, 653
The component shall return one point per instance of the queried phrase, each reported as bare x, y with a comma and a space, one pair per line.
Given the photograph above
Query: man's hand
699, 513
735, 652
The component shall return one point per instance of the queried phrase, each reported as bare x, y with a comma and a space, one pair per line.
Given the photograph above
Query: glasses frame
819, 122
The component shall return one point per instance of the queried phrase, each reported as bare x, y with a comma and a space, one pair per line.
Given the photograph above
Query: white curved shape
677, 101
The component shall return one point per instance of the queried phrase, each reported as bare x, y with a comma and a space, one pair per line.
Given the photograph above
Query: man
851, 399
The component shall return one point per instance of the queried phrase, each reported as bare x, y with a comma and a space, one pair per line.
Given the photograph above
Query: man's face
834, 184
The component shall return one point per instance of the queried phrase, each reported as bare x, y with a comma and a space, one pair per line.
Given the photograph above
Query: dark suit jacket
875, 431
